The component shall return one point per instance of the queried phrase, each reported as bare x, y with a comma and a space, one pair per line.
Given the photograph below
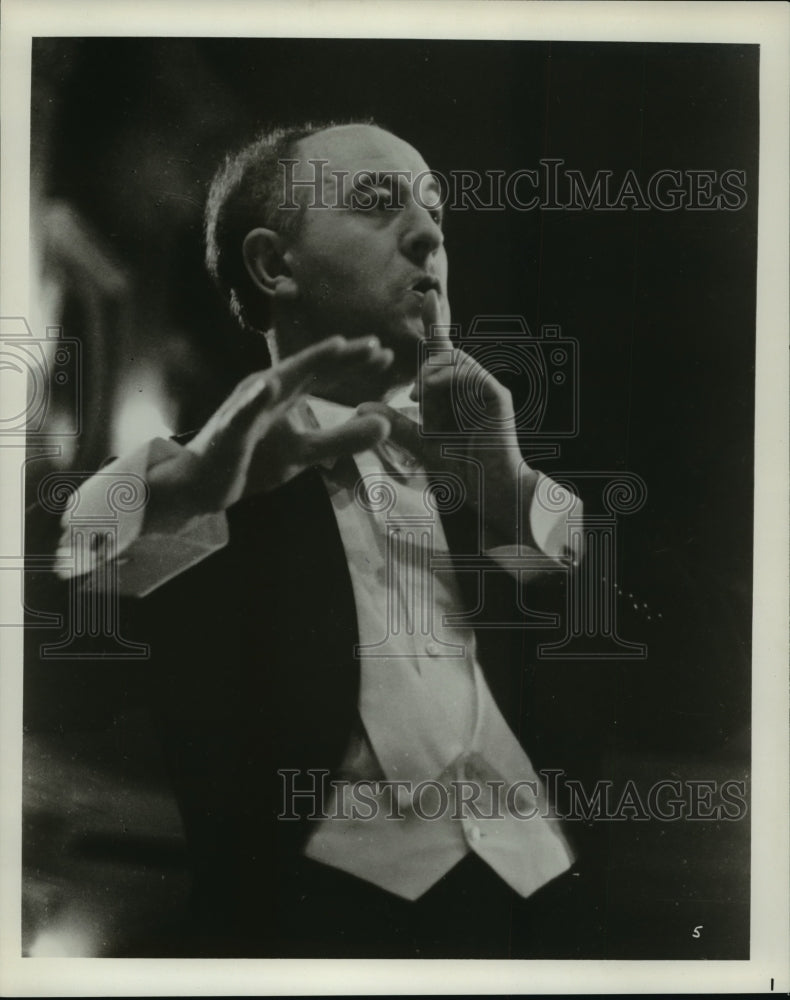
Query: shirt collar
323, 414
328, 415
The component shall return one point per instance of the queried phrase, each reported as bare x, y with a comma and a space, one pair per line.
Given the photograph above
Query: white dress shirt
427, 717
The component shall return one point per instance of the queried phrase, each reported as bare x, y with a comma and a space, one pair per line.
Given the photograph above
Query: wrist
173, 499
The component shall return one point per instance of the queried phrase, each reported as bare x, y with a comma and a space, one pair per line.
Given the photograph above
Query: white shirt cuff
555, 523
104, 538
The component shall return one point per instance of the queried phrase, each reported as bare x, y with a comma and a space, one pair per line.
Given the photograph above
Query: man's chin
406, 340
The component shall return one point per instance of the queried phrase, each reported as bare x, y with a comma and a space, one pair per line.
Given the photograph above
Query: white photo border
762, 23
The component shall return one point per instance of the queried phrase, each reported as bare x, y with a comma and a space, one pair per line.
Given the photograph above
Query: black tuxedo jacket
252, 672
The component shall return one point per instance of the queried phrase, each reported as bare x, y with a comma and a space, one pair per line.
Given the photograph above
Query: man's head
356, 257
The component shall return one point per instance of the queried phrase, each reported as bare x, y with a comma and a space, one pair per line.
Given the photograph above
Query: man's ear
264, 258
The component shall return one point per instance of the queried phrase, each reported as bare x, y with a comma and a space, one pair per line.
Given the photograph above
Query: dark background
126, 134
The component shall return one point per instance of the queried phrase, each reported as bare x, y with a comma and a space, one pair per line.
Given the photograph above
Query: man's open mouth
426, 284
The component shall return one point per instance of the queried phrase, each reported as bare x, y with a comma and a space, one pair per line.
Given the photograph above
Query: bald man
341, 729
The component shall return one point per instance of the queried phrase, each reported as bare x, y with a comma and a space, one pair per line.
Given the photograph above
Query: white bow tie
327, 415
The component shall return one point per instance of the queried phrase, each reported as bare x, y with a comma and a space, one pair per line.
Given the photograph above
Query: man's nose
422, 235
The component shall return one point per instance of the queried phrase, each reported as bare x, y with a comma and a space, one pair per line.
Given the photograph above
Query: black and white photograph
395, 415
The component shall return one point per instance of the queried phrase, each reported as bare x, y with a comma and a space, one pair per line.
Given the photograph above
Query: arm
147, 553
522, 513
248, 446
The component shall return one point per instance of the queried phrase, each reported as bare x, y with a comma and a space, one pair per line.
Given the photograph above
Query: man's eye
384, 200
378, 199
370, 199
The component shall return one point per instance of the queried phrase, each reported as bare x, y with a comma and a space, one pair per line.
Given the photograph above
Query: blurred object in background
86, 294
121, 156
104, 865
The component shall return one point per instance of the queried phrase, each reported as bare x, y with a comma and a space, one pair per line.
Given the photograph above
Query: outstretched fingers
268, 394
328, 362
358, 434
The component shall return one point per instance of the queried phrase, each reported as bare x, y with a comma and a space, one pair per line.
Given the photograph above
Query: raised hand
250, 445
487, 458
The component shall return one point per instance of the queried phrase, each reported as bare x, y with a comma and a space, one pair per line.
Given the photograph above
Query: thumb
358, 434
403, 432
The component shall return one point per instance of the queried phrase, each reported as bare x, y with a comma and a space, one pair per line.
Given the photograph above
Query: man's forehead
360, 147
